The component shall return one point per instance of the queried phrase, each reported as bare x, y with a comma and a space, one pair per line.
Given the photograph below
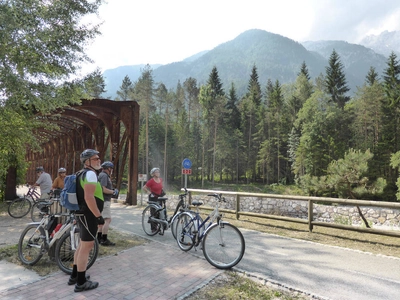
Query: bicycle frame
64, 228
199, 234
32, 194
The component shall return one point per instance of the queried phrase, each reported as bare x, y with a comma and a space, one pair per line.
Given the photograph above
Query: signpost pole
142, 178
141, 193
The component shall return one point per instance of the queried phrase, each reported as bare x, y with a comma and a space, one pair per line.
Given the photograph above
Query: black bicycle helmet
88, 153
39, 169
107, 164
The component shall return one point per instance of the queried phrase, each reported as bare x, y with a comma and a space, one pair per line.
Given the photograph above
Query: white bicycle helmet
153, 171
88, 153
62, 170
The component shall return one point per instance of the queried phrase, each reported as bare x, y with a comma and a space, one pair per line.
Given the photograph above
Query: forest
309, 133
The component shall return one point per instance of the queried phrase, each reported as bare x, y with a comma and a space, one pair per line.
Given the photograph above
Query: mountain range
276, 58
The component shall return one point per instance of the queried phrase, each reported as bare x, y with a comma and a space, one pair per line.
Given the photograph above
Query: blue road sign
186, 163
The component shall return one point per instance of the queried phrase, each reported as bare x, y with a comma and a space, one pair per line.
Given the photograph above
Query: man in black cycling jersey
90, 199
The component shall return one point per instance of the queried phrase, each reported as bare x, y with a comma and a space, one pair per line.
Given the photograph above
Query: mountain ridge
275, 56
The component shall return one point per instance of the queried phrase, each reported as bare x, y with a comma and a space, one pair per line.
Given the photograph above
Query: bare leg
106, 225
83, 255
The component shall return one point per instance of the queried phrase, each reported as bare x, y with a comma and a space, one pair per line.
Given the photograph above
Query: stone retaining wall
378, 218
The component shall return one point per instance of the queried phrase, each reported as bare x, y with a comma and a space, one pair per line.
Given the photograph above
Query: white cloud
159, 31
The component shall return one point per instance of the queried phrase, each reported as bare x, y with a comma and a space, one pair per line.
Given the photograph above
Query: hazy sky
166, 31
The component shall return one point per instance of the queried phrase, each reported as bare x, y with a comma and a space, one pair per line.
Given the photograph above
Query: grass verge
47, 265
235, 286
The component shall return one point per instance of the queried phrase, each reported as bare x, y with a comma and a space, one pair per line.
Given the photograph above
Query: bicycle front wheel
175, 220
19, 207
150, 227
65, 251
185, 229
223, 245
30, 244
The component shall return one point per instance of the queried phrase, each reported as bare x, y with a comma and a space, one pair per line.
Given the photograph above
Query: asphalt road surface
326, 272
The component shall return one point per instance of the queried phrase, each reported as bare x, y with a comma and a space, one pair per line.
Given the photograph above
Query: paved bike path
160, 270
149, 271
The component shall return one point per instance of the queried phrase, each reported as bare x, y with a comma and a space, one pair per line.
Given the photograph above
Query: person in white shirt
44, 182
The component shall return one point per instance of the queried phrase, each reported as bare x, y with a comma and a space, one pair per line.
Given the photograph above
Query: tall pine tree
335, 81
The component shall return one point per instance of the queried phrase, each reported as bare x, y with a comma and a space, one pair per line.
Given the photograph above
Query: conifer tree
390, 133
232, 116
213, 101
125, 89
191, 92
335, 81
371, 77
254, 88
304, 71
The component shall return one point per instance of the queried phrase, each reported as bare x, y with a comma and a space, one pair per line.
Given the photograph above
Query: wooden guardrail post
237, 206
310, 215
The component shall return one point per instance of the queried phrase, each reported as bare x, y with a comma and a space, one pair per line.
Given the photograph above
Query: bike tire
64, 255
36, 212
31, 244
184, 231
173, 225
19, 207
149, 227
174, 222
223, 245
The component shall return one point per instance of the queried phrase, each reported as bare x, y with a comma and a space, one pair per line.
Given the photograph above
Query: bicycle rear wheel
65, 254
185, 226
30, 244
223, 245
19, 207
150, 227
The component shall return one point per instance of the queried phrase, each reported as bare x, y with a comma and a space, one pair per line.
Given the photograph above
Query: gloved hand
100, 220
115, 194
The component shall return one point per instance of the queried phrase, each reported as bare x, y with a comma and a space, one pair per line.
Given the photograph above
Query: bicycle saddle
197, 203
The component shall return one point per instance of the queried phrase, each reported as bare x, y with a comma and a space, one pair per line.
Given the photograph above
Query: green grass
235, 286
47, 265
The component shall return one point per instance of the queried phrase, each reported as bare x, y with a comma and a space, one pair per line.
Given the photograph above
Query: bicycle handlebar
218, 196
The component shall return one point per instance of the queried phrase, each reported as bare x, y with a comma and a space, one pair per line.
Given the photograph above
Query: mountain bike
222, 243
20, 207
39, 237
155, 219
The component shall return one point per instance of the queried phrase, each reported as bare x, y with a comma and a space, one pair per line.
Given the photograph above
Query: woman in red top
154, 186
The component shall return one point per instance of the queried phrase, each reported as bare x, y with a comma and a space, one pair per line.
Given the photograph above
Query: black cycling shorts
87, 227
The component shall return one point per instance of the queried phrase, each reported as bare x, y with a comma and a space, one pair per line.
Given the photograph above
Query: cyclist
154, 186
90, 198
58, 183
108, 193
44, 182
